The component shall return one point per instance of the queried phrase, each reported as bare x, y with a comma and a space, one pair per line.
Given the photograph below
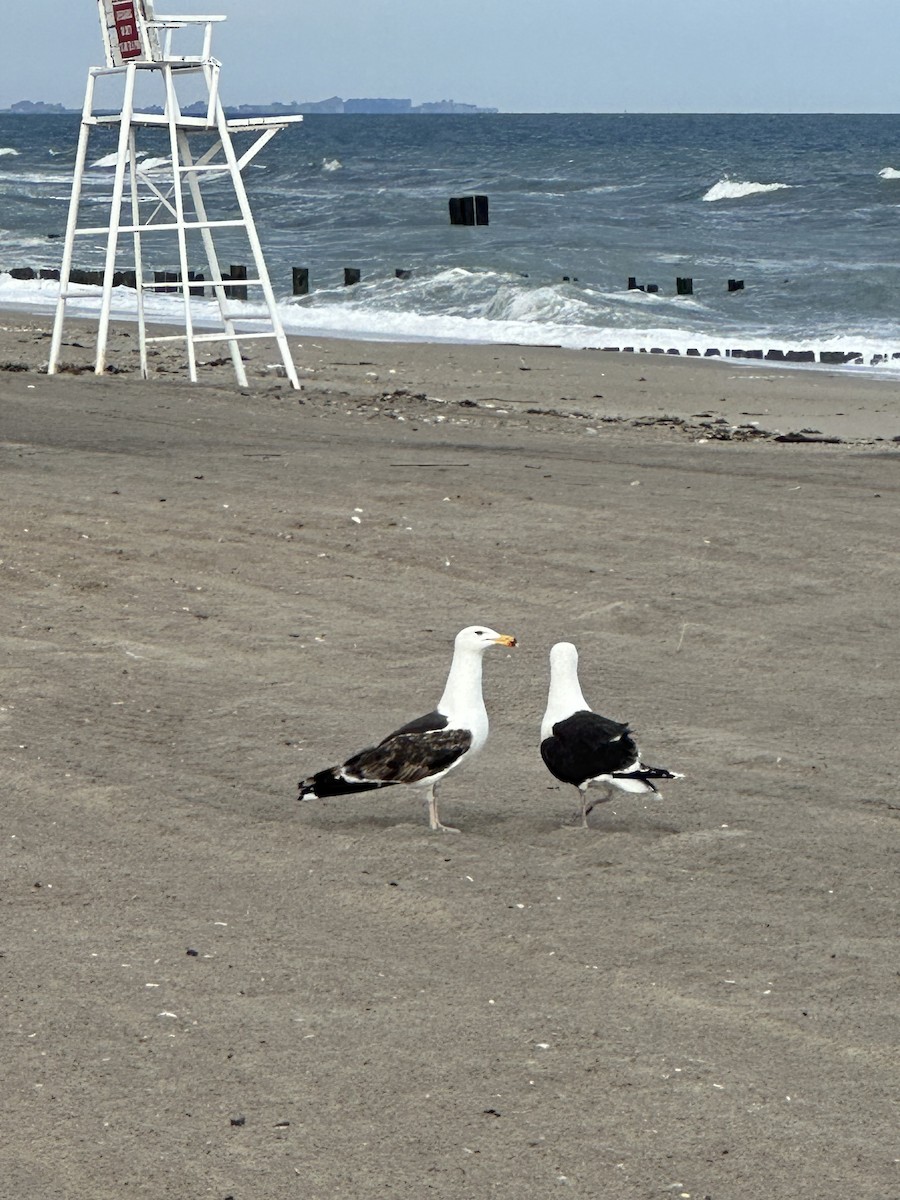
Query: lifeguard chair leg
115, 218
65, 269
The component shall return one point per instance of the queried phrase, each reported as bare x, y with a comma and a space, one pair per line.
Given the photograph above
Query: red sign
127, 29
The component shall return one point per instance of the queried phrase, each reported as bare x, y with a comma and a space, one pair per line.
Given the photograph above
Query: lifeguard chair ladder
137, 45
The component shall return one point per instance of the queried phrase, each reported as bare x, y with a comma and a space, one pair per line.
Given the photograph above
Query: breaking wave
109, 160
153, 164
734, 189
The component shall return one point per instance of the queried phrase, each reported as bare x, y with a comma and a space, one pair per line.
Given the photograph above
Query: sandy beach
214, 991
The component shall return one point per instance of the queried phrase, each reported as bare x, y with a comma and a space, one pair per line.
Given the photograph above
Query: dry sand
212, 991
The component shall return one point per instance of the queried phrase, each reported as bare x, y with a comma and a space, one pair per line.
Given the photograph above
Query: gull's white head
563, 657
565, 695
481, 637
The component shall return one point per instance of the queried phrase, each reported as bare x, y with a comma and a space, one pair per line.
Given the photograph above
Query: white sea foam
531, 325
889, 173
32, 178
146, 163
340, 321
734, 189
6, 150
153, 164
27, 244
109, 160
536, 305
331, 164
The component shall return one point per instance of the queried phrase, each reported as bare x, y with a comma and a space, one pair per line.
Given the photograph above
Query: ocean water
804, 209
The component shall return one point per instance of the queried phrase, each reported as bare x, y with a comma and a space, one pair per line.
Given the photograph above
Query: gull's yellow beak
505, 639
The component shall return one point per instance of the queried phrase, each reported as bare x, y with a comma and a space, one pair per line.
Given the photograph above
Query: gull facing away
581, 747
421, 753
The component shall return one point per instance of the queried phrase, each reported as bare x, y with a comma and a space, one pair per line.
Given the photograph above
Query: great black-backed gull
581, 747
421, 753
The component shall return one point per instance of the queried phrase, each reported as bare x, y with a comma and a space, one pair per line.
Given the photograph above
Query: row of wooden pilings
163, 281
169, 281
684, 285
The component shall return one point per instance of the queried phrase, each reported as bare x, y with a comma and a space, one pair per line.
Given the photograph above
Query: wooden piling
164, 277
469, 210
95, 278
239, 292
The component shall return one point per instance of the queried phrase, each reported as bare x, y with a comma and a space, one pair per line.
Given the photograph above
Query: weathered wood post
165, 277
237, 293
469, 210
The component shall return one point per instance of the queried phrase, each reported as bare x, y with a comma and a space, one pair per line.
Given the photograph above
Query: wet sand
212, 990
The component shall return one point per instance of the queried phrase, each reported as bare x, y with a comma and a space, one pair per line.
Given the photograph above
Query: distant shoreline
436, 108
334, 106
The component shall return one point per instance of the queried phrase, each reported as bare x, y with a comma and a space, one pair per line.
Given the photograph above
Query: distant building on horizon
29, 107
389, 105
451, 106
380, 105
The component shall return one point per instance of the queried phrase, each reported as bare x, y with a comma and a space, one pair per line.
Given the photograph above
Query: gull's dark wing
586, 745
411, 754
409, 757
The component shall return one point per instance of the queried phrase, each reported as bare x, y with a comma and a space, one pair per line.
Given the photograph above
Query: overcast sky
515, 55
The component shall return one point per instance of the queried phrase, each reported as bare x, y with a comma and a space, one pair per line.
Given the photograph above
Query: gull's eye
479, 633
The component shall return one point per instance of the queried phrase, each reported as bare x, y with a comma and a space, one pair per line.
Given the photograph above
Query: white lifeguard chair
170, 205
